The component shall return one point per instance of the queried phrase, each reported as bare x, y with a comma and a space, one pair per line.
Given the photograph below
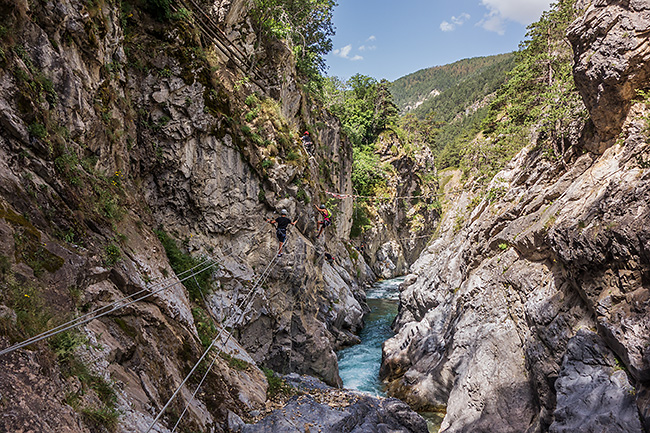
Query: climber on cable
281, 230
307, 143
326, 219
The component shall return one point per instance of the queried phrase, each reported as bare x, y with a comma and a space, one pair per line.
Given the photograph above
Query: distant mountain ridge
456, 96
458, 85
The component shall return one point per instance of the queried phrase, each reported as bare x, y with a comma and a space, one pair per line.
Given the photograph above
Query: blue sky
392, 38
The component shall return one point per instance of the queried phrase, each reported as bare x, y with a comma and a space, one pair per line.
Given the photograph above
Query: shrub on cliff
306, 24
181, 262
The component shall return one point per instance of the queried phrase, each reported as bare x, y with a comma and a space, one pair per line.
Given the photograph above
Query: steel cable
112, 307
262, 278
92, 316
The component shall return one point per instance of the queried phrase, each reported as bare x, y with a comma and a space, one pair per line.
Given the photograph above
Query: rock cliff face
402, 227
611, 60
533, 316
115, 122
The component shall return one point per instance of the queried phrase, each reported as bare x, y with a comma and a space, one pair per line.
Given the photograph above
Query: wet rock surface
363, 415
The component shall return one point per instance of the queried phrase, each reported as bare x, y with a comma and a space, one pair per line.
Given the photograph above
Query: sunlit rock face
401, 227
612, 60
115, 123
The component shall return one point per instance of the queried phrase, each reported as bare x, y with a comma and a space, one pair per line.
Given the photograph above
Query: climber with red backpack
307, 143
326, 219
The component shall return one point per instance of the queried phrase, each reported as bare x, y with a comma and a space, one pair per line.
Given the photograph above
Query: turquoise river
359, 365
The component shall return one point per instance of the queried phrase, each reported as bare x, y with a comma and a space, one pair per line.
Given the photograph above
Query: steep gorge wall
114, 123
533, 316
402, 226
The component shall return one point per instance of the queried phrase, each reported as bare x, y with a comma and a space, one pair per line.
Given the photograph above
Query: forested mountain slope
453, 98
452, 87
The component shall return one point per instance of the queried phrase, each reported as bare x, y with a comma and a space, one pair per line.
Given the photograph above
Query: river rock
319, 407
365, 414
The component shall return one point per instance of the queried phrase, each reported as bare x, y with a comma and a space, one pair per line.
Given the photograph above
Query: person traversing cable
307, 143
326, 219
281, 230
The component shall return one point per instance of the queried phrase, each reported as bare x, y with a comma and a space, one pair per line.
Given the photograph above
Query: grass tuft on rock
277, 385
181, 262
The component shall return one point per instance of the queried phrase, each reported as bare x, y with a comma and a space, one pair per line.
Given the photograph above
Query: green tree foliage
307, 24
468, 89
454, 136
416, 130
366, 172
365, 108
161, 9
540, 93
386, 112
360, 220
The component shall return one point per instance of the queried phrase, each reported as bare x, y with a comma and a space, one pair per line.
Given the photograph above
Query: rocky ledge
308, 405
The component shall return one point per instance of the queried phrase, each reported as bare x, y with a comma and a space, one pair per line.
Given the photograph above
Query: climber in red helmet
307, 143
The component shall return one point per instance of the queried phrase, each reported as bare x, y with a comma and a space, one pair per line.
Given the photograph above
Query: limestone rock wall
611, 60
533, 316
113, 123
401, 228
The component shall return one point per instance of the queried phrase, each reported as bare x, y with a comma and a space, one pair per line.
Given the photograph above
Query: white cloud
343, 52
521, 11
460, 20
371, 38
447, 26
367, 47
493, 22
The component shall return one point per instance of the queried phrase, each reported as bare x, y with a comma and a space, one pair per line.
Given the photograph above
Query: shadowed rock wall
115, 122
